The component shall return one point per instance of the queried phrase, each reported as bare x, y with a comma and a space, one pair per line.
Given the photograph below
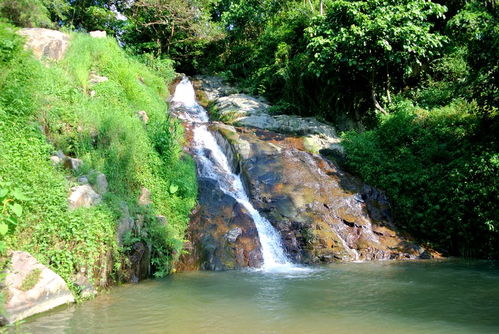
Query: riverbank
93, 181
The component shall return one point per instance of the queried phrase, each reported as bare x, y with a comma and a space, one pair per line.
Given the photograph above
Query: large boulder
32, 288
322, 213
221, 233
46, 43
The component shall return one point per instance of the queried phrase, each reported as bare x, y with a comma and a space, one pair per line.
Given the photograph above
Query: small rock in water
87, 289
233, 234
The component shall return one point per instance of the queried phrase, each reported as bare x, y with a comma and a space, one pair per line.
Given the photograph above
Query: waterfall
213, 164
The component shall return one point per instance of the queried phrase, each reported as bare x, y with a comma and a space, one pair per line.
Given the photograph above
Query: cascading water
213, 164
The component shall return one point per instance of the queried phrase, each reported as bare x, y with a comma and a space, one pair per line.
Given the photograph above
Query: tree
378, 42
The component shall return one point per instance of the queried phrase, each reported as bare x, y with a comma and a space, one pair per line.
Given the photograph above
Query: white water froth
213, 164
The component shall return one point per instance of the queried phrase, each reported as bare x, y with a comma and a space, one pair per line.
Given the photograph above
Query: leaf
4, 228
173, 188
17, 194
17, 209
3, 192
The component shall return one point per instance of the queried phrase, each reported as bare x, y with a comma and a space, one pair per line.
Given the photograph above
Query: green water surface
385, 297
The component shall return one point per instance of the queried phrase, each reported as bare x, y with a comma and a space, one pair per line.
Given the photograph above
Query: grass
47, 108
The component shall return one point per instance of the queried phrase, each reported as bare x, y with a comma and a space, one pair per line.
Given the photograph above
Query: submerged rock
32, 288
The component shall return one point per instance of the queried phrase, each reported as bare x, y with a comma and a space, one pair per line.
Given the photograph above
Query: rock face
46, 43
32, 288
248, 111
222, 234
322, 213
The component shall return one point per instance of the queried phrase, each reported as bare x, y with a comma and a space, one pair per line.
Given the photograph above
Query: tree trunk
375, 101
322, 7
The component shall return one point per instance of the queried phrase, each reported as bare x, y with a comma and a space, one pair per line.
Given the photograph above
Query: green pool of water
386, 297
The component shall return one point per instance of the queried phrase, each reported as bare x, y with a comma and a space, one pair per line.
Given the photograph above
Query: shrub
440, 168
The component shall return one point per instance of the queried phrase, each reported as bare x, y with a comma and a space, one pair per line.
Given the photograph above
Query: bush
440, 168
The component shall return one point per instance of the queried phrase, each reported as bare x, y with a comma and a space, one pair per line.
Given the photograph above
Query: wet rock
142, 115
139, 262
213, 87
45, 43
233, 234
145, 197
32, 288
98, 34
86, 288
221, 233
83, 196
322, 213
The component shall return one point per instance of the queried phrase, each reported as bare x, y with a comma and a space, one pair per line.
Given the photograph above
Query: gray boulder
83, 196
101, 183
32, 288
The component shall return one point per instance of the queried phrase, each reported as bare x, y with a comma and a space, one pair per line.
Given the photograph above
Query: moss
31, 280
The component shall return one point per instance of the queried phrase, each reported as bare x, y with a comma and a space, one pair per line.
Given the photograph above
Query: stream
453, 296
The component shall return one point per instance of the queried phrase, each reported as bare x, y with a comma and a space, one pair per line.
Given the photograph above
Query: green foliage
11, 210
440, 168
98, 123
379, 43
27, 13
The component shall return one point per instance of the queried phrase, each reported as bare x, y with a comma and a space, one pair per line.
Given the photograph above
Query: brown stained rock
45, 43
46, 291
72, 163
221, 234
322, 213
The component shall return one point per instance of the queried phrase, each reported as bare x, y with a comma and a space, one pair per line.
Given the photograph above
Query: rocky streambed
322, 213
